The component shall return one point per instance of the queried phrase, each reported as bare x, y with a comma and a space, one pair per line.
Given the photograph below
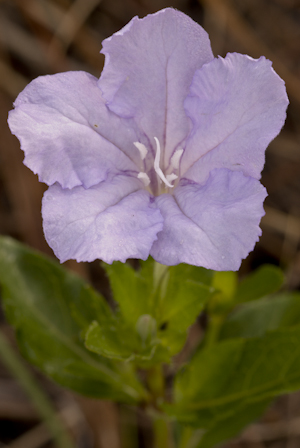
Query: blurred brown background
40, 37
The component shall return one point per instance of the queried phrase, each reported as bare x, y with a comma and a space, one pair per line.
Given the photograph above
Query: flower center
174, 164
158, 169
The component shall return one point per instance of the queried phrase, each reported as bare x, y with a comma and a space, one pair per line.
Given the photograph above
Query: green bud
146, 328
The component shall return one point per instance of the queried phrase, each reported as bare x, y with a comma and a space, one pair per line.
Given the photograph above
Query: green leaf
173, 298
117, 341
185, 294
49, 306
35, 393
230, 424
222, 382
132, 289
121, 338
105, 340
256, 318
135, 293
264, 281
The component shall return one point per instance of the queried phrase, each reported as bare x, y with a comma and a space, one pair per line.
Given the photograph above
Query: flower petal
113, 220
68, 134
148, 70
237, 105
214, 225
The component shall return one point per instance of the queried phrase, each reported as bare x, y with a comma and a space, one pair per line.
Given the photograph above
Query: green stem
189, 437
185, 437
159, 272
37, 396
128, 426
162, 433
161, 425
156, 384
213, 330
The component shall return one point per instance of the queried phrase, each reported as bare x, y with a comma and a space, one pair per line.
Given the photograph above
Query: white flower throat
174, 164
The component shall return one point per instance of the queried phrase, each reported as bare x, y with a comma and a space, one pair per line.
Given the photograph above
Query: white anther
142, 149
156, 164
171, 177
145, 178
176, 158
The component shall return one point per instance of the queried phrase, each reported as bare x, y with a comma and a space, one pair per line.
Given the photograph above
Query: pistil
174, 163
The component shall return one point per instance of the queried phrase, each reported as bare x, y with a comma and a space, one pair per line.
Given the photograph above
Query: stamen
142, 149
144, 177
171, 177
156, 164
176, 158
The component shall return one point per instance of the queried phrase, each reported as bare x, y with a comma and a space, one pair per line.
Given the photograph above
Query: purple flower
162, 155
